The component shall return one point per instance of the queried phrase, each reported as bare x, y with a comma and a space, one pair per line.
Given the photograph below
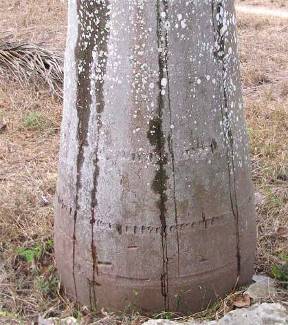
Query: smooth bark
154, 201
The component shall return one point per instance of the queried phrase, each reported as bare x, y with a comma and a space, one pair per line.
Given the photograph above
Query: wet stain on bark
119, 229
213, 145
170, 145
157, 139
204, 220
93, 33
159, 186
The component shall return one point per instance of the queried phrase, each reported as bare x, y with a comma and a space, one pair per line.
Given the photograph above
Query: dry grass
265, 79
270, 3
34, 21
28, 159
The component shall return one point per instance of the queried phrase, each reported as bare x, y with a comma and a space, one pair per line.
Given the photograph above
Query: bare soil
28, 160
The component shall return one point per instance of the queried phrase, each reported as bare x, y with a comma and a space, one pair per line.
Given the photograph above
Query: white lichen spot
183, 23
167, 25
164, 82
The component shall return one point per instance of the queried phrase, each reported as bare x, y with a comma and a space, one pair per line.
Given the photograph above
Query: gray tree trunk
154, 201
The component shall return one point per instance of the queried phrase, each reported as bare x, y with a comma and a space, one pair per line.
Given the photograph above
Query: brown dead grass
28, 160
269, 3
35, 21
265, 80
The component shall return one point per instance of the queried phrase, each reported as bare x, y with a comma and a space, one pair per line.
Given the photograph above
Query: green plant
280, 272
77, 314
30, 254
284, 256
49, 244
36, 121
272, 200
48, 285
164, 315
6, 316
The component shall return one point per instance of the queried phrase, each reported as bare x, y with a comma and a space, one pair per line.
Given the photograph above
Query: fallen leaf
3, 126
44, 201
282, 232
242, 300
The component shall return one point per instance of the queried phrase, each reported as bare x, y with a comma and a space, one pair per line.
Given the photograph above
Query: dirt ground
28, 159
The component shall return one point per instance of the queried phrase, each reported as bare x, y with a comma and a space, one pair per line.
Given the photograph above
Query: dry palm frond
30, 62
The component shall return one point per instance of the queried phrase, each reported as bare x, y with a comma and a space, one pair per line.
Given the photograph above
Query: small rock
160, 322
57, 321
259, 314
170, 322
264, 287
259, 199
263, 314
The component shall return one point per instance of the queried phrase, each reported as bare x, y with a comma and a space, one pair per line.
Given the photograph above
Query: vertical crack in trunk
101, 47
218, 10
157, 139
170, 137
92, 36
74, 240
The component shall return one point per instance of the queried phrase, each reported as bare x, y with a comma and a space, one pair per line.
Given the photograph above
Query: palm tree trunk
154, 201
